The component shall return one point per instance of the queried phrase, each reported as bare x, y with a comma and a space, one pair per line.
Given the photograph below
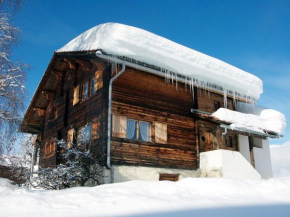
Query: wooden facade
60, 108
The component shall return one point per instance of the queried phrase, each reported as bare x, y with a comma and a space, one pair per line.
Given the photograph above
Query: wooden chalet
148, 126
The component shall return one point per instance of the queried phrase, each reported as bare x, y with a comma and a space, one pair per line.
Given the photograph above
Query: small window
50, 147
217, 105
84, 136
76, 98
93, 82
85, 92
168, 177
229, 141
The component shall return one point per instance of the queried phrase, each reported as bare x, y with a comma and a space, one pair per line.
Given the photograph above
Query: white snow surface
141, 45
199, 197
268, 120
280, 155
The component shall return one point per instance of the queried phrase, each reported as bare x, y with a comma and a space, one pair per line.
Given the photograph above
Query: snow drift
122, 40
266, 120
198, 197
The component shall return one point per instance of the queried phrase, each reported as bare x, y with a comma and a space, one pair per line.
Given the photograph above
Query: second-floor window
138, 130
123, 127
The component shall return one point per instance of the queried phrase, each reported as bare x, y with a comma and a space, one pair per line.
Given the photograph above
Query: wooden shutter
76, 95
96, 130
98, 80
70, 138
160, 133
119, 126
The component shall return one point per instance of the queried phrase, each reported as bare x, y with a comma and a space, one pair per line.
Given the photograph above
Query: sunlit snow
122, 40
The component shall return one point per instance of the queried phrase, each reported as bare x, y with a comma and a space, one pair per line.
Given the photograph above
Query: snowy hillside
199, 197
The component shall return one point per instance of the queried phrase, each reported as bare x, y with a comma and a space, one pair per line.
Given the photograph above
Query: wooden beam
98, 64
58, 74
71, 63
39, 111
85, 64
49, 95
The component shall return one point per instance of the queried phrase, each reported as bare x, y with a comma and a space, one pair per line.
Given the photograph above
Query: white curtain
144, 131
131, 129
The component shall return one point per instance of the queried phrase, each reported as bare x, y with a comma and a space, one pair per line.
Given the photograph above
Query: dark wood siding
142, 96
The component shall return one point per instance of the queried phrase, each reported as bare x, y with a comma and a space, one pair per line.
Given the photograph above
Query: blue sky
251, 35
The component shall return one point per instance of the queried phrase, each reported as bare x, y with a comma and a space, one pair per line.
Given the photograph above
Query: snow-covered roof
264, 121
122, 40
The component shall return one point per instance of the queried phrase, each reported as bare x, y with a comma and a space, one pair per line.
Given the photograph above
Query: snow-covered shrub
78, 168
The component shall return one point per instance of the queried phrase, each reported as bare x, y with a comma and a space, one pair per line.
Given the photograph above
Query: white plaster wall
244, 147
128, 173
231, 164
263, 159
236, 166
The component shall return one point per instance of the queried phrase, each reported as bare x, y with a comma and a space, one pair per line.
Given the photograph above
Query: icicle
225, 98
176, 82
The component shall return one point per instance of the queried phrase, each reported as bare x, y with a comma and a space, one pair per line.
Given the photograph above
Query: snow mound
141, 45
268, 120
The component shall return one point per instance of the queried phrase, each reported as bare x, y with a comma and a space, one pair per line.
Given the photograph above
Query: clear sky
253, 35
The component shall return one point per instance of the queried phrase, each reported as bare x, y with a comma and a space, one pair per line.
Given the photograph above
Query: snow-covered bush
78, 168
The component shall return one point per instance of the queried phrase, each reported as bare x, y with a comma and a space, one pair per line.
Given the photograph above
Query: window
217, 105
93, 81
76, 95
85, 91
84, 136
50, 147
168, 177
144, 131
138, 130
131, 129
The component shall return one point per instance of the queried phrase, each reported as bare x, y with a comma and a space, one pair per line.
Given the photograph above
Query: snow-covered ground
189, 197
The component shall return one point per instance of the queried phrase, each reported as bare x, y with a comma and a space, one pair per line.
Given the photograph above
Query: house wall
127, 173
68, 115
145, 97
244, 147
263, 159
226, 164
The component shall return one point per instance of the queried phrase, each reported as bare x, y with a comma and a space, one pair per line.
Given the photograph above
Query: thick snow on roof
268, 120
141, 45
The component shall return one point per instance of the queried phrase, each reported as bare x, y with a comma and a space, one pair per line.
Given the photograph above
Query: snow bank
268, 120
190, 197
141, 45
280, 155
